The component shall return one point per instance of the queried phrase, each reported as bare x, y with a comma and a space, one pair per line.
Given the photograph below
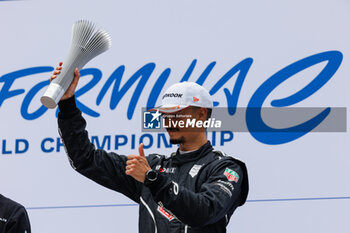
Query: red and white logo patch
195, 99
165, 214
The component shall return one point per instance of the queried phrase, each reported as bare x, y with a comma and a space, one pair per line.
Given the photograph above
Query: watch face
151, 175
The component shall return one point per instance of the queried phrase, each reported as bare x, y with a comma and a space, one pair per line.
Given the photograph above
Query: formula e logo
151, 120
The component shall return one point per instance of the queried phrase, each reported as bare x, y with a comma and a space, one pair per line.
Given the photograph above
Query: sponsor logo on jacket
165, 214
231, 175
194, 170
165, 169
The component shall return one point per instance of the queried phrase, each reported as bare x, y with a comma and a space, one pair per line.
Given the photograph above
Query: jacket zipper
150, 212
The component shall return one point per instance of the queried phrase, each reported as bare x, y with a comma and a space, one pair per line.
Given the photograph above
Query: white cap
185, 94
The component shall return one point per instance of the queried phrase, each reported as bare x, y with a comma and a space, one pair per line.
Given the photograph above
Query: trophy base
52, 95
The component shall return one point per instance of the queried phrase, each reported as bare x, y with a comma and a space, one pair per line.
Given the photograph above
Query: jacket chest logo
165, 169
165, 214
194, 170
3, 219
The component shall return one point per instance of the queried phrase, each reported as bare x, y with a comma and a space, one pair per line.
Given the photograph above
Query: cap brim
169, 108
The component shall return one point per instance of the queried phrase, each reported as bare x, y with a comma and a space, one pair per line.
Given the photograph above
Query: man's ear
202, 113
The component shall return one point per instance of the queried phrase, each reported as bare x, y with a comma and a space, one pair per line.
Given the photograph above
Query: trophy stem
52, 95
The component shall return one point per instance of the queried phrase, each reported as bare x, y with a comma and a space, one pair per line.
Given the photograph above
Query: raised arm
107, 169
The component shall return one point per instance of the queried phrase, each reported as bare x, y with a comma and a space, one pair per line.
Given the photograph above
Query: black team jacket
194, 192
13, 217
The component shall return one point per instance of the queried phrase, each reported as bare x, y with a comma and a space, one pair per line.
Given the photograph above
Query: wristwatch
151, 175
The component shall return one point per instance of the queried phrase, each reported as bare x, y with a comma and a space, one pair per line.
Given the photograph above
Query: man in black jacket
13, 217
196, 189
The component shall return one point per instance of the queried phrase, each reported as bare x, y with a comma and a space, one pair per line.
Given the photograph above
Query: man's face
178, 134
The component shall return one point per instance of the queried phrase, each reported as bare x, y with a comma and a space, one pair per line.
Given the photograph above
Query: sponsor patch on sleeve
231, 175
224, 188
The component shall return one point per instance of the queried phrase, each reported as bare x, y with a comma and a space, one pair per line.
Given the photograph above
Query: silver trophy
87, 42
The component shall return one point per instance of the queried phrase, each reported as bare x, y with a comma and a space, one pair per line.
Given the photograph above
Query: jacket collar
180, 159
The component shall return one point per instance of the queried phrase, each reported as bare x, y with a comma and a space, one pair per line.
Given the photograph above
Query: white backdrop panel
172, 34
